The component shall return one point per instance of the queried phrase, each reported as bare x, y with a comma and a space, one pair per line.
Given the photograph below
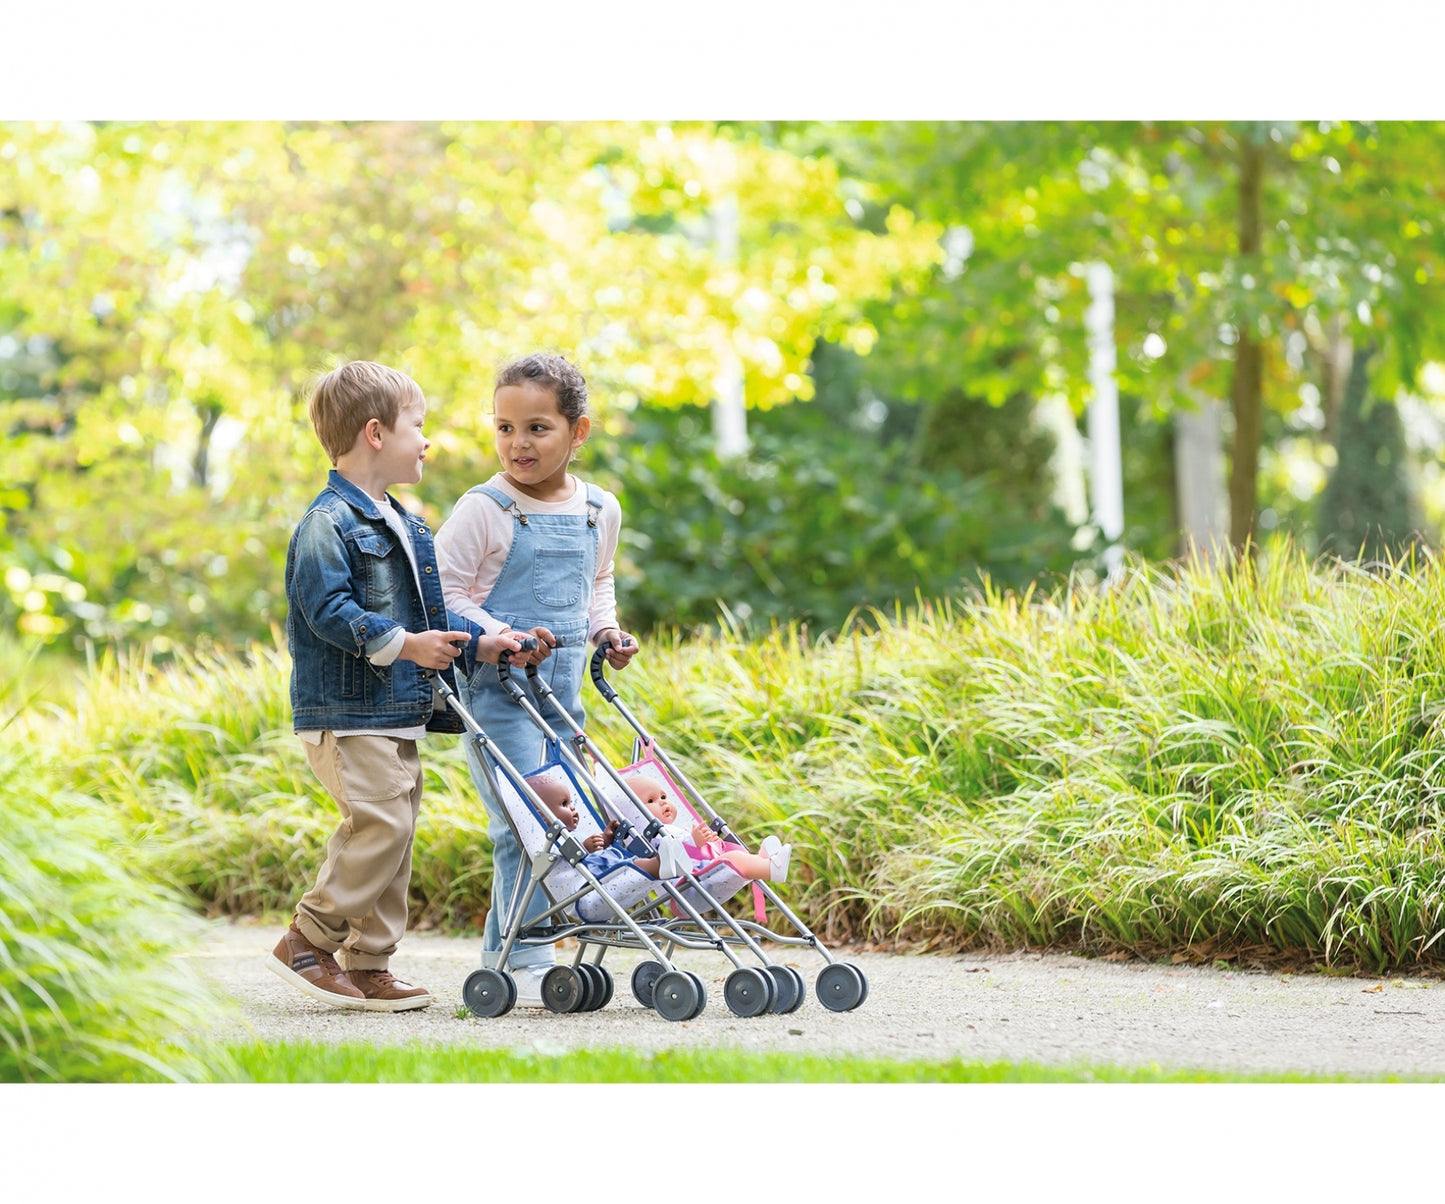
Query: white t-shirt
472, 545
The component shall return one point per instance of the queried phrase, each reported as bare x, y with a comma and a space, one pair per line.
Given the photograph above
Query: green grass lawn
316, 1062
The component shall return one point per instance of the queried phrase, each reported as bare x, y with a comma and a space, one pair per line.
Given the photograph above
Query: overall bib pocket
557, 576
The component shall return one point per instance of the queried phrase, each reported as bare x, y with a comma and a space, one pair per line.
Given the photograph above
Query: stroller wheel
678, 995
841, 987
749, 991
701, 992
790, 988
643, 978
605, 987
489, 993
564, 989
599, 985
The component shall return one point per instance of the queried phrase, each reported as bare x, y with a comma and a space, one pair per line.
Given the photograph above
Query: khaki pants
359, 901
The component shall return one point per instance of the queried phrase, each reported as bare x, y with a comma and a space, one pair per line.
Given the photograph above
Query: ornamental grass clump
1246, 762
93, 987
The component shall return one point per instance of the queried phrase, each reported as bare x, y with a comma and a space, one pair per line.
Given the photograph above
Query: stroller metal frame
676, 994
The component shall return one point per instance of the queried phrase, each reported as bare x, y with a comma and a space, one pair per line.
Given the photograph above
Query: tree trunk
201, 464
1246, 389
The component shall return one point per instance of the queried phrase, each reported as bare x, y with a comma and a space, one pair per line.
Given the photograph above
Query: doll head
557, 797
654, 796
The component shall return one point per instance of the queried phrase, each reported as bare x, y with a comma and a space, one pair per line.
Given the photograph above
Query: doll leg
749, 865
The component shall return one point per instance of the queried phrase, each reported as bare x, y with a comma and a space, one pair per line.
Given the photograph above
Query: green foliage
167, 290
831, 511
1242, 764
92, 987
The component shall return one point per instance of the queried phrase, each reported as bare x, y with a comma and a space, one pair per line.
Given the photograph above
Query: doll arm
601, 840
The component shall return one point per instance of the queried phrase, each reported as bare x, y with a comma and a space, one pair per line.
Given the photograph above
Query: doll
679, 844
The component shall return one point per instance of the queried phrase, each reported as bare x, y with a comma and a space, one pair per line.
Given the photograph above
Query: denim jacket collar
357, 496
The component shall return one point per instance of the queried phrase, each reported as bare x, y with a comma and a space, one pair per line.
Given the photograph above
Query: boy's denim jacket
349, 584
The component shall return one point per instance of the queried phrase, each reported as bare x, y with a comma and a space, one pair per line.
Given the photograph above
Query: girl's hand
493, 649
623, 646
546, 641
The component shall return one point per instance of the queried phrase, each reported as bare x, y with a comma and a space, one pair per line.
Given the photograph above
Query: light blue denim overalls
546, 581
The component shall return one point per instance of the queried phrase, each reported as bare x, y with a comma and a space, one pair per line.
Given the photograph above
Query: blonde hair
347, 398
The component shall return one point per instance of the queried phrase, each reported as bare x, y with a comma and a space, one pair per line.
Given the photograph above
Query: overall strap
506, 503
594, 503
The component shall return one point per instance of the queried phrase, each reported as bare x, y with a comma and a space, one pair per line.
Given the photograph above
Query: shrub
91, 985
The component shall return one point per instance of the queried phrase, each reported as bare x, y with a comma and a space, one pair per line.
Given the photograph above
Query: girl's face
535, 441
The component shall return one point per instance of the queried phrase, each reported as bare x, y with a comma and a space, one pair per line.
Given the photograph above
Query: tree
183, 281
1227, 240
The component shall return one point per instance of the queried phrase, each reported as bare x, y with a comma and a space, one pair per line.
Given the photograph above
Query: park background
879, 614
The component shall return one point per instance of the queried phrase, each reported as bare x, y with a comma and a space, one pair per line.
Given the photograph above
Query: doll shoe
671, 860
778, 862
770, 845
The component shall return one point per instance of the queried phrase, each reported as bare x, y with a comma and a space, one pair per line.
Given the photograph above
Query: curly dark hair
550, 371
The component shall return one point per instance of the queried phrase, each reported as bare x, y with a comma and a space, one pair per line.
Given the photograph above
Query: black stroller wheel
565, 990
749, 991
678, 995
604, 988
489, 993
789, 984
599, 985
841, 987
644, 976
701, 993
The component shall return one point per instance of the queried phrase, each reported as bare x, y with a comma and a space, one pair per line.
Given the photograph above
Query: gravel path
1052, 1009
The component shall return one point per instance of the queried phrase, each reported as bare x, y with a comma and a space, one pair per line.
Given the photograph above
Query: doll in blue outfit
531, 551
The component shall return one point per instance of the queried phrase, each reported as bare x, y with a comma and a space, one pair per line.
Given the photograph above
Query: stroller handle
504, 666
598, 680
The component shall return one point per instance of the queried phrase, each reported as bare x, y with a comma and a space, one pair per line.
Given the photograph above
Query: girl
532, 551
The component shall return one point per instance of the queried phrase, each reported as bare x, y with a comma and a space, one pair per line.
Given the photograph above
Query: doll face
557, 798
654, 797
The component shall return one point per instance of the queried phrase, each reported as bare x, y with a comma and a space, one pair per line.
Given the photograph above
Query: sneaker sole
398, 1005
349, 1002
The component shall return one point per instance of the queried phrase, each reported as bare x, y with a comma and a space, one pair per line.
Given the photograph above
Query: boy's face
403, 447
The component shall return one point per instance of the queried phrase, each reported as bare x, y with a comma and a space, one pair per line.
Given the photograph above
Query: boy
367, 628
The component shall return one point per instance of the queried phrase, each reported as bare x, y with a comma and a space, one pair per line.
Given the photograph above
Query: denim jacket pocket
377, 569
352, 676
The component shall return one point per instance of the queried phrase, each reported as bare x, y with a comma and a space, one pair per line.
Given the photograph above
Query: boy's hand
433, 649
619, 653
494, 648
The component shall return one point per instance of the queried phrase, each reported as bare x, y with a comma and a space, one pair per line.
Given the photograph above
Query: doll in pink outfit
696, 843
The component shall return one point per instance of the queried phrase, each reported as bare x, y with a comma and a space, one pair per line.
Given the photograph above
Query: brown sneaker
385, 992
314, 970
